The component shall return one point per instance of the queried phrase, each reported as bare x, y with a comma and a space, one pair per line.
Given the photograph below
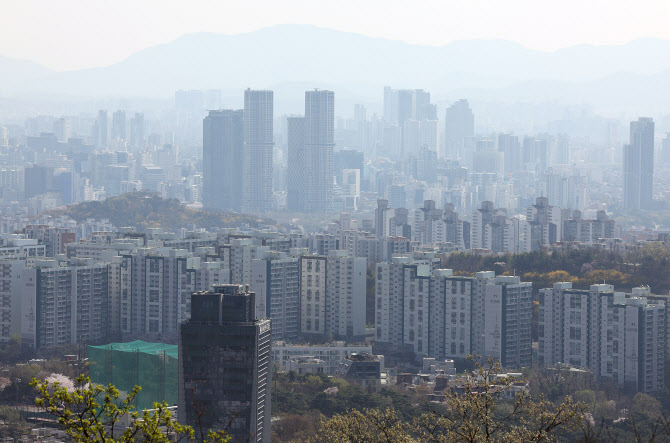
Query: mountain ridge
285, 54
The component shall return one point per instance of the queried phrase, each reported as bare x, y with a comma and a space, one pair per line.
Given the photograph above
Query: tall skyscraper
101, 124
137, 130
224, 365
223, 159
119, 125
638, 165
459, 122
258, 142
319, 144
295, 173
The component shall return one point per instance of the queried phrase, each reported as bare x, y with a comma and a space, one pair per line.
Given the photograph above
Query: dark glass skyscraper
222, 154
224, 365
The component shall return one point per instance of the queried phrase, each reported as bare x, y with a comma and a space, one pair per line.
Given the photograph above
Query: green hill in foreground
147, 210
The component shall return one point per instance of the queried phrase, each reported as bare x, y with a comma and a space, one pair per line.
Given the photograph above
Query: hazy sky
71, 34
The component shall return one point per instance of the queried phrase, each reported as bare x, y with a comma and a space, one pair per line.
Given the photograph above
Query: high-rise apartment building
223, 160
101, 125
638, 166
238, 256
332, 296
432, 313
155, 289
63, 304
258, 143
137, 130
275, 281
119, 125
618, 336
225, 365
459, 123
509, 145
295, 172
319, 143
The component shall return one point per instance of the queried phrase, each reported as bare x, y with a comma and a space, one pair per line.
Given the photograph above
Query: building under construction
153, 366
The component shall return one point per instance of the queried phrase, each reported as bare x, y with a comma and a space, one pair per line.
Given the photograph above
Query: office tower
258, 142
67, 302
459, 123
101, 124
223, 160
617, 336
319, 144
295, 163
119, 125
275, 281
38, 180
137, 130
225, 365
638, 165
509, 146
62, 129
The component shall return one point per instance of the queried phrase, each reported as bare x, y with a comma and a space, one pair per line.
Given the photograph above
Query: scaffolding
153, 366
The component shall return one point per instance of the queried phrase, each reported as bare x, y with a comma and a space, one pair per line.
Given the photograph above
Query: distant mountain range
294, 57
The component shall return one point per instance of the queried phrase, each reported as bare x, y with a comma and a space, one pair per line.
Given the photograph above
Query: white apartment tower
618, 336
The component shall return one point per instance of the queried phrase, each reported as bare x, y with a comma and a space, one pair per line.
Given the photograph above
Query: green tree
12, 425
479, 414
91, 413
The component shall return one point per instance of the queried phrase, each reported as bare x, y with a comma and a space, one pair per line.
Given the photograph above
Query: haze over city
308, 221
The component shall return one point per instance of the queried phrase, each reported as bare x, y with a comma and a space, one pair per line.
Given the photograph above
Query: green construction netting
153, 366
